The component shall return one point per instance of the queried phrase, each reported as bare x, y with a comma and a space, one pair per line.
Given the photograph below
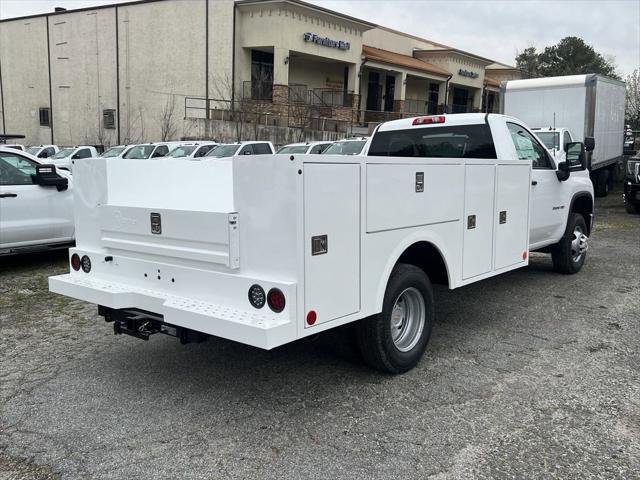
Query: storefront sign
326, 41
467, 73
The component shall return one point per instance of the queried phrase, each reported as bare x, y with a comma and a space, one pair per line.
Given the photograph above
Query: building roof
492, 82
453, 51
392, 58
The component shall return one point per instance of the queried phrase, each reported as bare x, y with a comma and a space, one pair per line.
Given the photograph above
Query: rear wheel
394, 340
570, 252
602, 184
631, 207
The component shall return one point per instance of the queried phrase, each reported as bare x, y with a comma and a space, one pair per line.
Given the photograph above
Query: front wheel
394, 340
570, 252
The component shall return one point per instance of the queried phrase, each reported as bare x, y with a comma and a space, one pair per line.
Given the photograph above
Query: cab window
16, 170
317, 149
528, 148
261, 148
161, 151
246, 150
84, 153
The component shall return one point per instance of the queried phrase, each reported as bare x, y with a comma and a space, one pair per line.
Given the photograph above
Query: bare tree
300, 118
229, 97
167, 121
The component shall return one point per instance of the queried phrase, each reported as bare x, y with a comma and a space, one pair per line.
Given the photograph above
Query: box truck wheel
394, 340
601, 184
569, 253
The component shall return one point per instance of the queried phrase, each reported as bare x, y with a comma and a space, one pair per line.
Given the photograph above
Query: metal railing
298, 93
329, 97
260, 90
417, 106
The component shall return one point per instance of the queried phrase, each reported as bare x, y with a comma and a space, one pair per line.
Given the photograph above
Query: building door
261, 75
389, 93
373, 91
434, 91
460, 100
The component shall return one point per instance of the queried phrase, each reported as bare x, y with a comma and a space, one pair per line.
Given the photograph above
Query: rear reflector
275, 300
429, 120
312, 317
75, 262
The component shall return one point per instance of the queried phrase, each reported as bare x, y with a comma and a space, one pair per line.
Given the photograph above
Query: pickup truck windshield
113, 152
140, 152
33, 150
551, 140
346, 148
222, 151
64, 153
464, 141
293, 149
183, 151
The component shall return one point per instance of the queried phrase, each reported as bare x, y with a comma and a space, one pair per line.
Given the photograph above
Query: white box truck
267, 249
587, 105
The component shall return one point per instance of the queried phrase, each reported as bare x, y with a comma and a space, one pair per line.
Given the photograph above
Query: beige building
153, 69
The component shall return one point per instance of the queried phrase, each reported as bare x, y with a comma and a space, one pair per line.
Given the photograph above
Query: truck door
547, 208
24, 207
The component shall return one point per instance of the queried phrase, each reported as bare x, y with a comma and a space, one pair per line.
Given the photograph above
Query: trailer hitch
142, 324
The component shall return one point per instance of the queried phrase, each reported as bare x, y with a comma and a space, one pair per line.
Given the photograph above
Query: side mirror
576, 156
46, 176
589, 144
563, 171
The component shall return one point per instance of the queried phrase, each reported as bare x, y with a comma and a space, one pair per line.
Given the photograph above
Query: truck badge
156, 224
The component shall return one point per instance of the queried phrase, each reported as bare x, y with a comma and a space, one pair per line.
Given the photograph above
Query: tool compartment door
332, 239
512, 215
479, 195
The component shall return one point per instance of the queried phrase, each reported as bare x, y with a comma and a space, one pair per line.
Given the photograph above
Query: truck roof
563, 81
449, 120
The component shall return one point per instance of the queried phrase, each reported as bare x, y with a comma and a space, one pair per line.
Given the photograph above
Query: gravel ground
529, 375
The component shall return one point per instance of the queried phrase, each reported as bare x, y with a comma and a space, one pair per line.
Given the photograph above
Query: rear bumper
257, 328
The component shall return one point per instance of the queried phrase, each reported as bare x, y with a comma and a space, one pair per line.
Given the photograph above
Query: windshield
224, 151
551, 140
113, 152
64, 153
346, 148
182, 151
140, 151
293, 149
33, 150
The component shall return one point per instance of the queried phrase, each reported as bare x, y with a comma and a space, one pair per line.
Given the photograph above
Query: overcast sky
496, 29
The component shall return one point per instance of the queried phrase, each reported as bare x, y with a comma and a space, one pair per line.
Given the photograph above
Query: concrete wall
25, 77
83, 81
387, 40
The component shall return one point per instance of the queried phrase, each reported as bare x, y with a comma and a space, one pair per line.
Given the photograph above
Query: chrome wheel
579, 244
407, 319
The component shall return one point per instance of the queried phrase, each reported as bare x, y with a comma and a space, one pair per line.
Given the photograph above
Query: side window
317, 149
161, 151
48, 152
246, 150
84, 153
202, 151
16, 170
261, 148
566, 139
528, 148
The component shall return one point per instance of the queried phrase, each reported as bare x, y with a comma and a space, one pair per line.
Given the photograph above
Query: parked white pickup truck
36, 204
266, 250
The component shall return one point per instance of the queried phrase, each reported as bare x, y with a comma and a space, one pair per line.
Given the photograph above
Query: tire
601, 185
390, 341
569, 254
631, 207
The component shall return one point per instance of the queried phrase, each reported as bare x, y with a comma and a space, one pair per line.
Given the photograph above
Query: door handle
534, 183
8, 195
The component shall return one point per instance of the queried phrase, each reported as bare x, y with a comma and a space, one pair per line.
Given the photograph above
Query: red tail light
75, 262
312, 316
429, 120
275, 300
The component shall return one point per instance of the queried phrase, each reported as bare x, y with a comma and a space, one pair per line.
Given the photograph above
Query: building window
109, 119
45, 117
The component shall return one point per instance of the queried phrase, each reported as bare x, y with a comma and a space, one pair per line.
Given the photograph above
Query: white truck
591, 106
269, 249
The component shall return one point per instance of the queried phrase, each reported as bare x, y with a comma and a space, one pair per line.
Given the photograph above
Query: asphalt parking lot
529, 375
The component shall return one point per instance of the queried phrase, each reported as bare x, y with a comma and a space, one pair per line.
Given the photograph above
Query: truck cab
555, 140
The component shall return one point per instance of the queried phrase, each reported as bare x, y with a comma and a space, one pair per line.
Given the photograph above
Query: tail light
276, 300
257, 297
312, 316
86, 264
75, 262
429, 120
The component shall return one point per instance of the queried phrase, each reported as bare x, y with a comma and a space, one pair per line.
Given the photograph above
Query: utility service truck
590, 106
267, 249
